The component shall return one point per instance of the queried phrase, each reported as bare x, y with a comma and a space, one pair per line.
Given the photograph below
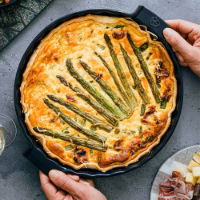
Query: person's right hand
59, 186
185, 41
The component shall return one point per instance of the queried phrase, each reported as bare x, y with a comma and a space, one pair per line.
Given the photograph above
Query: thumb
65, 182
178, 43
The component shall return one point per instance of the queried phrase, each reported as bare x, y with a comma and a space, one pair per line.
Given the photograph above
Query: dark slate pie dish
36, 153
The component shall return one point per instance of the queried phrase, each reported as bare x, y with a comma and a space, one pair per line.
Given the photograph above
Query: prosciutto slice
175, 188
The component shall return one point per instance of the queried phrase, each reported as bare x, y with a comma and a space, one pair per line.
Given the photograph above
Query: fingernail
167, 32
54, 173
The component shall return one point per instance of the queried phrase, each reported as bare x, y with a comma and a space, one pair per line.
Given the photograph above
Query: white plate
180, 159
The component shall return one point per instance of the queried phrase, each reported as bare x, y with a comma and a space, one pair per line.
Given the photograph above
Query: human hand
185, 41
59, 186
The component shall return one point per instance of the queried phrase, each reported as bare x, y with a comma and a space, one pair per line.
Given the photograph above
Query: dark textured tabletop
19, 178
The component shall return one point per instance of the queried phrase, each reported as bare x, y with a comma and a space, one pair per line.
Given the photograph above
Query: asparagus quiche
98, 92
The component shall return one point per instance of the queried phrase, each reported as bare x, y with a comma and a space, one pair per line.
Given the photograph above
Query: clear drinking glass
8, 132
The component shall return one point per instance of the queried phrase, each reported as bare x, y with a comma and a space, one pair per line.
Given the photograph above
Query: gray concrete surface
19, 178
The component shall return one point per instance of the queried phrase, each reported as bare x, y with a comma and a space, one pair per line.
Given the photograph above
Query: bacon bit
55, 58
150, 138
71, 99
166, 95
150, 111
160, 63
157, 121
142, 145
136, 141
99, 76
67, 36
161, 72
134, 146
145, 121
81, 152
80, 156
53, 120
165, 98
148, 122
118, 35
118, 144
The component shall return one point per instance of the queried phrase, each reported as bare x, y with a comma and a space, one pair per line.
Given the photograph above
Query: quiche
98, 92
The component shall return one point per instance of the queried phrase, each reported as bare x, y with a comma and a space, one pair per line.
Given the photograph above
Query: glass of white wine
8, 132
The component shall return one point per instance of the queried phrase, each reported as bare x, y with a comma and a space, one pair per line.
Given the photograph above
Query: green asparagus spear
74, 124
121, 73
73, 139
149, 55
144, 46
135, 77
119, 26
95, 121
143, 109
92, 102
110, 106
106, 88
144, 67
69, 147
163, 103
121, 90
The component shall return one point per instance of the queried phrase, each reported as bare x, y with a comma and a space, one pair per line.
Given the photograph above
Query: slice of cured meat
175, 188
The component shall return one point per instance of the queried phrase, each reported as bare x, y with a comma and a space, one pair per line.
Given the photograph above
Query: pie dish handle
39, 159
154, 24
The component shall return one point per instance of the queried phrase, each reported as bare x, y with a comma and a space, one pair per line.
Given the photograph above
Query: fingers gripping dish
98, 92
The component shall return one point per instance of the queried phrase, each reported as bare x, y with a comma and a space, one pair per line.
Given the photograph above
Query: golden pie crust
79, 39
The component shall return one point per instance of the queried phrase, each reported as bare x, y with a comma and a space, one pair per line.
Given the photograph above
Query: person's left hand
59, 186
184, 37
